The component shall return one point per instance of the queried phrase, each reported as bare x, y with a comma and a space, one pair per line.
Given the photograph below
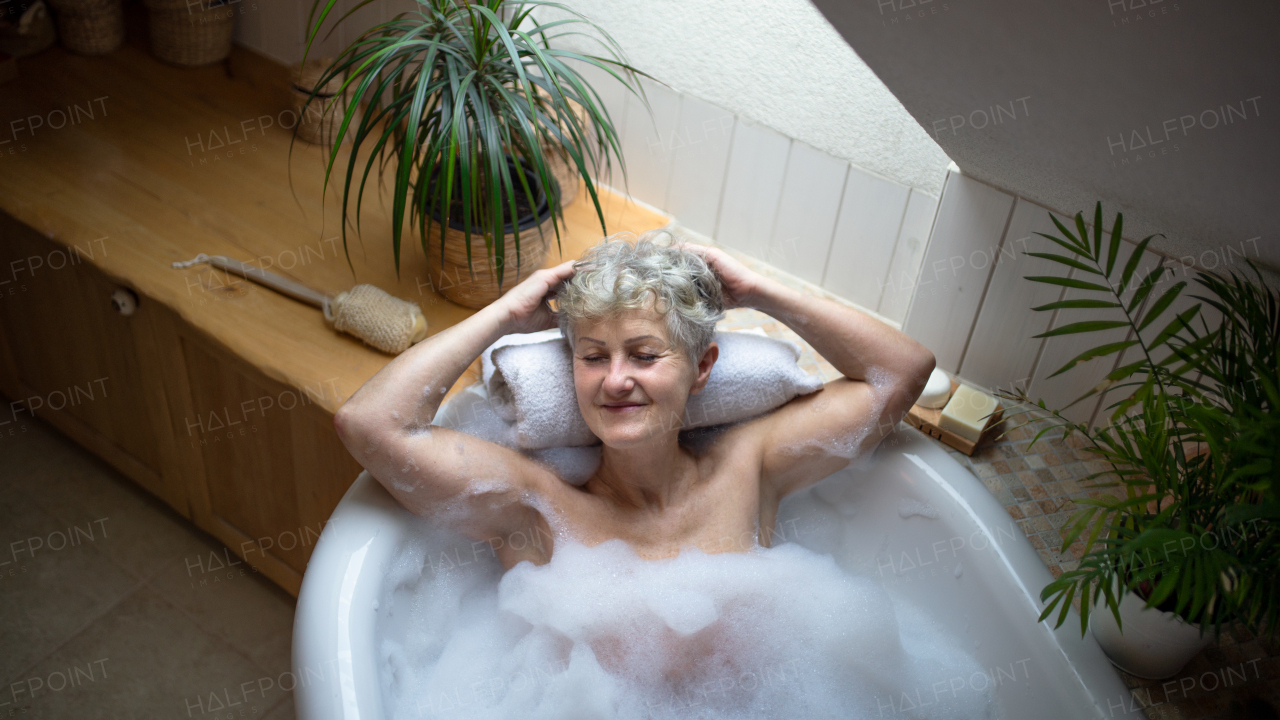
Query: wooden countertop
161, 163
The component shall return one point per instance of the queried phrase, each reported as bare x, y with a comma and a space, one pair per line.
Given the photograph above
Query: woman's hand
740, 282
525, 305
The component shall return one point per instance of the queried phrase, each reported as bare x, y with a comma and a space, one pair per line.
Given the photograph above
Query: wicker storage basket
319, 123
198, 33
30, 30
90, 27
454, 280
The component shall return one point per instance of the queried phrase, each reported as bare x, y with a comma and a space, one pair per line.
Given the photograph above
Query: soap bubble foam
909, 507
601, 633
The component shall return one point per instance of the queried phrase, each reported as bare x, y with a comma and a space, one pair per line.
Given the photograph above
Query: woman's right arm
818, 434
386, 424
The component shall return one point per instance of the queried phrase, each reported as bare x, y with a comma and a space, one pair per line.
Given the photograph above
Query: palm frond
1193, 446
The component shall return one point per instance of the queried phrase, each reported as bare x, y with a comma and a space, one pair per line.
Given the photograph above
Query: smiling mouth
622, 407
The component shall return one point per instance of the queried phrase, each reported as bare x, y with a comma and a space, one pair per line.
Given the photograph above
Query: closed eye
605, 358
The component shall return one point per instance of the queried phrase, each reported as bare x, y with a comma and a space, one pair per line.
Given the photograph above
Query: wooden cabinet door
68, 357
272, 467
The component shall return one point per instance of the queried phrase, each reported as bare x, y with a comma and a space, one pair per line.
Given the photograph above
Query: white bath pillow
471, 412
531, 385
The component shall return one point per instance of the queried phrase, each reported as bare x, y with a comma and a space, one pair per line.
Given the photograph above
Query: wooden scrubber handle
297, 291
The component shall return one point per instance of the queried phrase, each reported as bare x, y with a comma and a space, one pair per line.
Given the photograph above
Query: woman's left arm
858, 345
884, 372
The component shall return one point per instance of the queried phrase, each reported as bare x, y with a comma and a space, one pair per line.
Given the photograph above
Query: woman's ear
705, 363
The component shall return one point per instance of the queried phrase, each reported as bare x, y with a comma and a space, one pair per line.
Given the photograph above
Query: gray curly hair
619, 274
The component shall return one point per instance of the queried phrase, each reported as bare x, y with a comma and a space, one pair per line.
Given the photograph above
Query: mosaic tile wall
1038, 486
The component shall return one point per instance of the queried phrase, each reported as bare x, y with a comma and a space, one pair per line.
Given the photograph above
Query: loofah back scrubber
385, 322
367, 312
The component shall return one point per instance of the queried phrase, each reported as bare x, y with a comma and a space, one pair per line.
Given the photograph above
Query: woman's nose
619, 381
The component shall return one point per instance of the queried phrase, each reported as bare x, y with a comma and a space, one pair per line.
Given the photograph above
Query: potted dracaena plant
1188, 542
485, 125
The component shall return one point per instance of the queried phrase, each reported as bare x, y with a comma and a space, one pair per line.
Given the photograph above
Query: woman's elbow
925, 363
344, 421
354, 430
917, 365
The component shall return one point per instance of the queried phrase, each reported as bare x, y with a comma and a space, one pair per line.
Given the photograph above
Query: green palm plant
468, 102
1192, 441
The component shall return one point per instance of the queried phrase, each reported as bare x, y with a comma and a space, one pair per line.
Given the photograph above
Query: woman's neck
652, 476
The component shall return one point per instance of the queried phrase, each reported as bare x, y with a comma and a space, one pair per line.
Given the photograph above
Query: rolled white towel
532, 385
471, 412
486, 357
753, 375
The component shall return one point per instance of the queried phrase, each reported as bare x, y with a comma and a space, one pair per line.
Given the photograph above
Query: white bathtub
971, 567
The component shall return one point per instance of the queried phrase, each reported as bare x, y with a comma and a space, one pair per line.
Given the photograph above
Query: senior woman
640, 317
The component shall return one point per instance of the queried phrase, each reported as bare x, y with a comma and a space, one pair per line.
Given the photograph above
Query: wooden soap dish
926, 421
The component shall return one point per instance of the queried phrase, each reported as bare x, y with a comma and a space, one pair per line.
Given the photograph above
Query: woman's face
632, 383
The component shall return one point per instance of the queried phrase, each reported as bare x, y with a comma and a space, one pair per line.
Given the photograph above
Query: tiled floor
114, 606
142, 615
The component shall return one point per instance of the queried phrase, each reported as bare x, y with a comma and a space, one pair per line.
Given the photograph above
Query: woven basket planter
564, 172
192, 34
454, 279
90, 27
319, 123
475, 285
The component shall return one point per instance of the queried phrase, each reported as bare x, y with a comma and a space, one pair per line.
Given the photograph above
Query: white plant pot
1154, 645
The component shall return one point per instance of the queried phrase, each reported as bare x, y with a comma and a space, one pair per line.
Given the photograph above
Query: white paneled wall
753, 181
871, 211
648, 141
807, 211
699, 158
761, 193
953, 277
1001, 353
908, 253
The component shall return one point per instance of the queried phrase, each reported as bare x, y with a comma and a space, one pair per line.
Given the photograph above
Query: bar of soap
936, 391
967, 413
